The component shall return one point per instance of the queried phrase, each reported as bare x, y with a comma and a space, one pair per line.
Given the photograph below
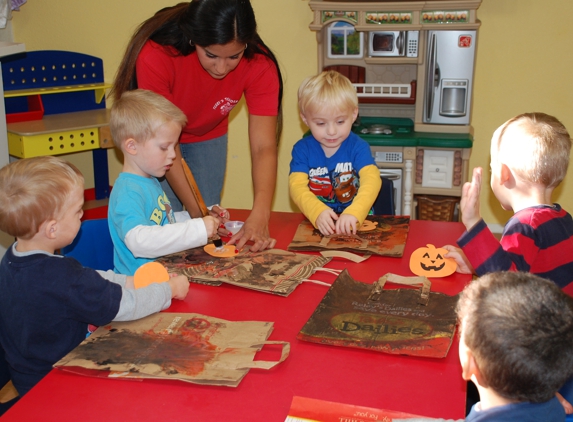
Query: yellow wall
523, 64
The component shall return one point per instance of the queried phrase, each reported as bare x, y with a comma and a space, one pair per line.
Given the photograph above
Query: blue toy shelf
55, 104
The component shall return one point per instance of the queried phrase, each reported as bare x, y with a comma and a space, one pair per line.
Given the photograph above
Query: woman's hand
223, 216
255, 230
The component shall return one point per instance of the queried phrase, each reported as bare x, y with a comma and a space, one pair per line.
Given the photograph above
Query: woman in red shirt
204, 56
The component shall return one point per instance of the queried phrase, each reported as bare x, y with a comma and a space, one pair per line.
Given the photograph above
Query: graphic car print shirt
334, 180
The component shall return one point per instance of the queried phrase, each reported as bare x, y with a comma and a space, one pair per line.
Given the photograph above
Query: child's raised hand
463, 266
469, 203
211, 224
346, 224
179, 286
326, 222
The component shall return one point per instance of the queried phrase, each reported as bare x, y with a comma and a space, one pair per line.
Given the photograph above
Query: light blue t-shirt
135, 201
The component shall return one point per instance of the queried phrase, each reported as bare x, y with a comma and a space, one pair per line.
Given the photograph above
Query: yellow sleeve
304, 199
370, 184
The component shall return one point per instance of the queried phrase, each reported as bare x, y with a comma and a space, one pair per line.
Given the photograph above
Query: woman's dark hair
199, 22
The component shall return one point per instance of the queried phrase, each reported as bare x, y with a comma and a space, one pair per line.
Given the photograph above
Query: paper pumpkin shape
152, 272
429, 261
367, 226
225, 251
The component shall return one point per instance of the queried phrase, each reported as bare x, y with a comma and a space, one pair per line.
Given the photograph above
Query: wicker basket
437, 208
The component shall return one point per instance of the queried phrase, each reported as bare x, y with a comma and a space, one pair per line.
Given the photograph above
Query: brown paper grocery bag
387, 237
271, 271
415, 322
183, 346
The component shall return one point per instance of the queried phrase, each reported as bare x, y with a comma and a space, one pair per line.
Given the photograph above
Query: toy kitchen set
412, 63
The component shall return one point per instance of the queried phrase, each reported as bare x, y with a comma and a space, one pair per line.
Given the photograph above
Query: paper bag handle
410, 281
263, 364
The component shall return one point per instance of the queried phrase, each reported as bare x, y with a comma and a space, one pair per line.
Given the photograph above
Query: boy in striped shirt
529, 158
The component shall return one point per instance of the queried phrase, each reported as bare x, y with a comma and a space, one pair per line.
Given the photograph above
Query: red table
423, 386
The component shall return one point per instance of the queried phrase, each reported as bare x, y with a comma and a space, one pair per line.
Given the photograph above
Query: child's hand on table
346, 224
463, 265
326, 222
179, 286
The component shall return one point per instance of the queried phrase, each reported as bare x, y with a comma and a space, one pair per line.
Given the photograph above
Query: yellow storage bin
53, 143
57, 134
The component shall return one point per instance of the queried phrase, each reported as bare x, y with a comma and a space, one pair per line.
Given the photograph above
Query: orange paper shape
225, 251
367, 226
152, 272
429, 261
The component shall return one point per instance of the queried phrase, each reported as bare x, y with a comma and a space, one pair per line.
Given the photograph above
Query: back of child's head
519, 328
139, 113
536, 147
35, 190
328, 89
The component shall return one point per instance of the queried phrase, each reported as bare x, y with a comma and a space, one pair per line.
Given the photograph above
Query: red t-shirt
207, 101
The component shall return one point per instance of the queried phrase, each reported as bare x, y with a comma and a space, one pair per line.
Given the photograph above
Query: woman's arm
178, 182
262, 136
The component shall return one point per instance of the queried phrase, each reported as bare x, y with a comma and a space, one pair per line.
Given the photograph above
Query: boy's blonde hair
139, 113
35, 190
327, 89
541, 157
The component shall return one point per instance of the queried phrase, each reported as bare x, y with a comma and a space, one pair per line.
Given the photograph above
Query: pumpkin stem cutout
429, 261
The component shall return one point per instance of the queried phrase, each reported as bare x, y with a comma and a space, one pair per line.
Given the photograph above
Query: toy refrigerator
449, 76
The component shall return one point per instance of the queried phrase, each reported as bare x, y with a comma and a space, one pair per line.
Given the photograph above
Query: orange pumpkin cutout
429, 261
225, 251
152, 272
367, 226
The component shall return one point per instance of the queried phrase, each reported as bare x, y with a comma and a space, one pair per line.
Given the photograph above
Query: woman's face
220, 59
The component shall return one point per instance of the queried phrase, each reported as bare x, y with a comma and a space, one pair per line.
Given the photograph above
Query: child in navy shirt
516, 345
47, 300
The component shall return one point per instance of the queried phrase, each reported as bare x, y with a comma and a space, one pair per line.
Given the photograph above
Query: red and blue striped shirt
537, 239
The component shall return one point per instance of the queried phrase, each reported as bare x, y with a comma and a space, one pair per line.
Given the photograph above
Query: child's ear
506, 177
50, 229
470, 369
354, 114
303, 117
130, 146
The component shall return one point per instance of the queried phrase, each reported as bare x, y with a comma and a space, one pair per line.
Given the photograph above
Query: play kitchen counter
427, 163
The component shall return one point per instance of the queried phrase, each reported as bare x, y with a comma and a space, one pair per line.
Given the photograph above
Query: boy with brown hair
529, 158
46, 300
516, 345
146, 127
